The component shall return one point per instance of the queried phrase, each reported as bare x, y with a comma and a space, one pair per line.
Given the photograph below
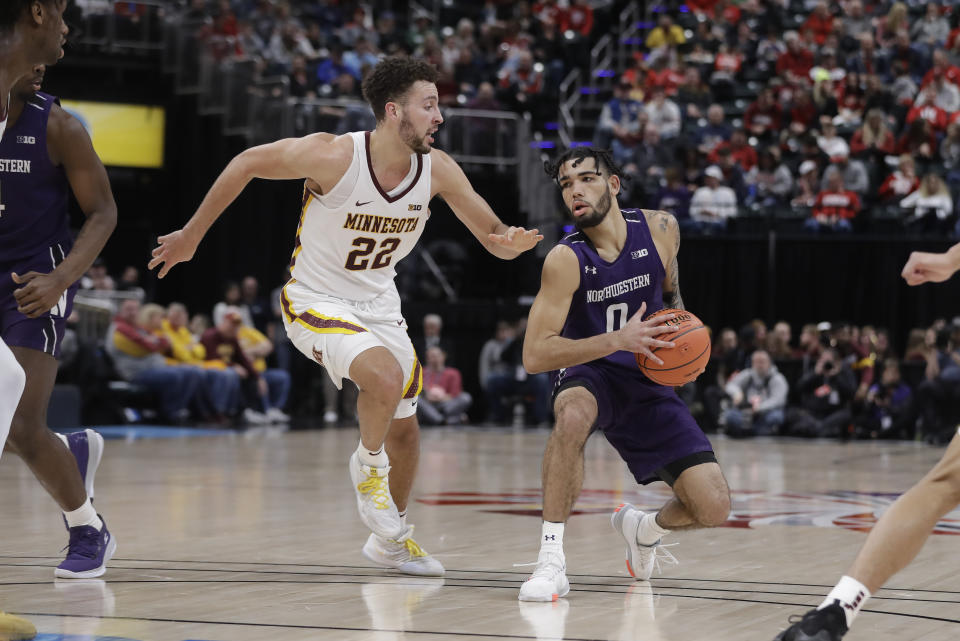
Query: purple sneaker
87, 553
87, 448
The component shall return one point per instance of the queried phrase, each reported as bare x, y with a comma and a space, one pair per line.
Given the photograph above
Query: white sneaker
403, 555
276, 415
377, 509
549, 581
641, 559
253, 417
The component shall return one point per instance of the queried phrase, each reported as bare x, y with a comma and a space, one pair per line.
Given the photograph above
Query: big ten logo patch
26, 140
414, 207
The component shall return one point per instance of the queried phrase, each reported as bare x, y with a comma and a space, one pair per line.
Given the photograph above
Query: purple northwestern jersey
33, 192
611, 293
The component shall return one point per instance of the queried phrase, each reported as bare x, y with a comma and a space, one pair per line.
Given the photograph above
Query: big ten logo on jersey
638, 253
26, 140
414, 207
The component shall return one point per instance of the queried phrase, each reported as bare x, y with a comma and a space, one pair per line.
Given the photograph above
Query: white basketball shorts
333, 331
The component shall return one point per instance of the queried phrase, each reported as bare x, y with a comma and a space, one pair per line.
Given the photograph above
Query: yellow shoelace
414, 549
378, 488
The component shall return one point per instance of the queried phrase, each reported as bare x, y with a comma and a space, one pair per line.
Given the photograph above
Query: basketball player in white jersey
31, 32
903, 529
366, 199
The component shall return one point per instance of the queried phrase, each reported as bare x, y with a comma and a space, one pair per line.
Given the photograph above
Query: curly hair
12, 10
602, 157
390, 80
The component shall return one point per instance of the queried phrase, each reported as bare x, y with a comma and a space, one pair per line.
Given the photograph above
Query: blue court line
133, 432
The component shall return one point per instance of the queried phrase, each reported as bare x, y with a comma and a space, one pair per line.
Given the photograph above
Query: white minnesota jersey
349, 240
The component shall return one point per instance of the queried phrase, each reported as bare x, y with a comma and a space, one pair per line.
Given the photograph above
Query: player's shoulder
327, 144
64, 125
561, 257
660, 221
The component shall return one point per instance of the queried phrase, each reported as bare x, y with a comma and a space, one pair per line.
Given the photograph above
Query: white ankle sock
852, 596
649, 532
83, 515
551, 537
373, 459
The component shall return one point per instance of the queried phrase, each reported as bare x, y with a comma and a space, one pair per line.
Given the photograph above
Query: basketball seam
670, 369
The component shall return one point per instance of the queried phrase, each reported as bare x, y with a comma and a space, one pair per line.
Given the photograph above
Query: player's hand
639, 335
518, 238
173, 248
40, 293
924, 267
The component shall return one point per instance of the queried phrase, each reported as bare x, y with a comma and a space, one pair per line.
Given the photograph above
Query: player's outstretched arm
288, 159
925, 267
70, 147
544, 349
501, 240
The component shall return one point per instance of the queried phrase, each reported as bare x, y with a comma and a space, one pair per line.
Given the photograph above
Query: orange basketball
687, 359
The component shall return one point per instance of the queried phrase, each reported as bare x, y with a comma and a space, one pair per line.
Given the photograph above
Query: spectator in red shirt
902, 182
740, 150
941, 69
835, 207
796, 62
443, 402
803, 113
925, 109
763, 117
820, 22
221, 344
578, 18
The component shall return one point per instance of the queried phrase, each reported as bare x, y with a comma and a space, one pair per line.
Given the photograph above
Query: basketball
687, 359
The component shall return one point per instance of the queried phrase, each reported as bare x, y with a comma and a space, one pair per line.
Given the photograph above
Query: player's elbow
533, 362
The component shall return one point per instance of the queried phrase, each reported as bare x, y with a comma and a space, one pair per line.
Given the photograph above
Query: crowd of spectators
839, 113
520, 50
836, 380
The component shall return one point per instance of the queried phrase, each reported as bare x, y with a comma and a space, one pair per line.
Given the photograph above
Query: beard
595, 217
409, 136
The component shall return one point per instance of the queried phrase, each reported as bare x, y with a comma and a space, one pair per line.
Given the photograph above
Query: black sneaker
828, 624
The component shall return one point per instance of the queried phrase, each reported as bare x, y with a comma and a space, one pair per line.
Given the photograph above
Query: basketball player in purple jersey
900, 533
31, 31
587, 321
44, 154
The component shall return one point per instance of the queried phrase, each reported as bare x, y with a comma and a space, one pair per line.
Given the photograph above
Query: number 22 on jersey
357, 259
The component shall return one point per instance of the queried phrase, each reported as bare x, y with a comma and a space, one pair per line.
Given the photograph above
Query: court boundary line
380, 569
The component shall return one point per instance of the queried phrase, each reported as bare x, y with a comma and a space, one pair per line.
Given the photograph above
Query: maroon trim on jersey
373, 176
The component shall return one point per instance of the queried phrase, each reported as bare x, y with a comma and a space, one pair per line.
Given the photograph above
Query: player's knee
574, 421
713, 510
25, 436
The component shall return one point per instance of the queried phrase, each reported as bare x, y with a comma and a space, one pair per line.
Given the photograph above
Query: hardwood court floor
255, 536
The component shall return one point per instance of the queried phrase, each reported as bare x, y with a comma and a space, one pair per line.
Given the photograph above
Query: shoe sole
94, 573
95, 446
553, 597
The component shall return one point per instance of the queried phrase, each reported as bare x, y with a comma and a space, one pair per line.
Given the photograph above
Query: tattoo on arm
674, 299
